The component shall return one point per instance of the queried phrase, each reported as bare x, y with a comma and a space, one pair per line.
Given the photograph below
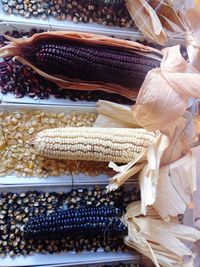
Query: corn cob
89, 63
86, 61
87, 221
96, 144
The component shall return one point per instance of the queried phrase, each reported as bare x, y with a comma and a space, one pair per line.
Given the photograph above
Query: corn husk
168, 16
153, 17
16, 46
153, 164
161, 241
148, 177
192, 19
114, 115
166, 88
174, 191
146, 20
197, 4
165, 149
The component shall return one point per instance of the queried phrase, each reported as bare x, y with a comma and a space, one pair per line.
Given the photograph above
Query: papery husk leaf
179, 138
174, 191
15, 48
192, 19
124, 172
148, 177
197, 4
168, 13
166, 89
147, 163
150, 229
157, 239
146, 19
156, 97
111, 114
197, 124
168, 25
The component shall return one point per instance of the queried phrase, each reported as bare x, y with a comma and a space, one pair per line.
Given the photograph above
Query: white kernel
31, 130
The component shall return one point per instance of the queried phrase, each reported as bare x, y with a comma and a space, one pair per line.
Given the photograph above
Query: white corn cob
97, 144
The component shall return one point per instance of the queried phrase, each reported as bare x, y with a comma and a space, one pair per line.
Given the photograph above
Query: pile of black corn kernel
105, 12
16, 208
22, 81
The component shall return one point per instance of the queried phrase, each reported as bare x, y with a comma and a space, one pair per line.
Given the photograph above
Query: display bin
66, 258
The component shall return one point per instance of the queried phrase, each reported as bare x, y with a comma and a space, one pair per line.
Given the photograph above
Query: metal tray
63, 259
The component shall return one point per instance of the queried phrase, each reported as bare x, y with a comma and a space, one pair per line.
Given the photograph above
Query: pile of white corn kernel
18, 157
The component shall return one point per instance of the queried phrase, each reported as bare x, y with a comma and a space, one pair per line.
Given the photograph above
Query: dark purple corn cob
87, 221
90, 63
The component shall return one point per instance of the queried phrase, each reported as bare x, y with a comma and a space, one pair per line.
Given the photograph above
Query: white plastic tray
93, 27
28, 25
70, 259
67, 259
12, 179
10, 26
11, 98
52, 23
64, 179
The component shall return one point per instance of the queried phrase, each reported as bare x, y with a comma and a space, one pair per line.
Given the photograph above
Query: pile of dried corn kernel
17, 156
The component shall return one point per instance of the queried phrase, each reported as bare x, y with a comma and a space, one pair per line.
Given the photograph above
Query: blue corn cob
87, 221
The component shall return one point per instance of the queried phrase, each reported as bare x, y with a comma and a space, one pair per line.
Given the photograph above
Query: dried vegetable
18, 208
166, 176
88, 221
20, 80
86, 61
96, 144
18, 156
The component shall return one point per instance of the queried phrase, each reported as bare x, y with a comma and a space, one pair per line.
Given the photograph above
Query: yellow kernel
30, 165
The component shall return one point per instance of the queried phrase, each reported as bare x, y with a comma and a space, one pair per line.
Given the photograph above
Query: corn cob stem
87, 221
96, 144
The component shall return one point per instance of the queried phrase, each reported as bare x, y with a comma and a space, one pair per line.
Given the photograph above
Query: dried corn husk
165, 89
192, 20
197, 4
148, 177
114, 115
168, 16
146, 20
164, 146
174, 190
148, 168
160, 241
151, 17
15, 48
196, 114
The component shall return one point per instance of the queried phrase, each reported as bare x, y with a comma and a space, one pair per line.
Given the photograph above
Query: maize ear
85, 221
103, 64
120, 145
86, 61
